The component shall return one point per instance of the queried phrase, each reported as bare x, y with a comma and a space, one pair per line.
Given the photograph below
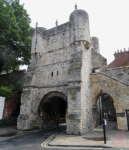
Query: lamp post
99, 110
104, 131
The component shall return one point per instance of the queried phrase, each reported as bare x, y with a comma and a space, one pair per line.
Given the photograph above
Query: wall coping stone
53, 63
118, 68
109, 77
49, 86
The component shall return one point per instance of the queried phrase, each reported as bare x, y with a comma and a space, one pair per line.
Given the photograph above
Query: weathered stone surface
62, 59
117, 89
121, 73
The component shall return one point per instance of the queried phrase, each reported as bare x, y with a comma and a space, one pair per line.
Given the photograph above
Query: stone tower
64, 80
60, 68
79, 73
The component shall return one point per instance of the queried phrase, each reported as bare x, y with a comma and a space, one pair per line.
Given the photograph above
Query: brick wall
12, 106
121, 59
11, 110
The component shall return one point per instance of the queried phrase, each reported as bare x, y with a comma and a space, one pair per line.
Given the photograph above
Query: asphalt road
34, 141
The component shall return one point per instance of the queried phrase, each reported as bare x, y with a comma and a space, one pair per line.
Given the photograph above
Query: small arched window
52, 74
57, 73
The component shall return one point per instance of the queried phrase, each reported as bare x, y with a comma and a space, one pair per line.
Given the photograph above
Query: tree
15, 36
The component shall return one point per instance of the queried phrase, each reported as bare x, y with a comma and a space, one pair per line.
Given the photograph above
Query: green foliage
18, 87
6, 92
15, 36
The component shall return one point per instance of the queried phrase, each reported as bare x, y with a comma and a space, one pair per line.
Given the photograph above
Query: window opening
57, 73
52, 74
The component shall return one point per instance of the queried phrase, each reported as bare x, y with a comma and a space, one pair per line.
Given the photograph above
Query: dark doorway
52, 110
108, 106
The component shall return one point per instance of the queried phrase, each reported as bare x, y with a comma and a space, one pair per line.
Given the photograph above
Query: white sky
109, 19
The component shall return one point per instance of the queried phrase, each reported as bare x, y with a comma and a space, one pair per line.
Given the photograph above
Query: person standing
106, 116
110, 116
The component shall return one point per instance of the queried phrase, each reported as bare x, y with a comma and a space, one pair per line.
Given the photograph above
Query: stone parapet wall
117, 89
121, 73
59, 29
52, 42
12, 78
98, 61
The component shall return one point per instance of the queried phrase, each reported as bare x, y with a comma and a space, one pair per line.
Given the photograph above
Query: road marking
44, 144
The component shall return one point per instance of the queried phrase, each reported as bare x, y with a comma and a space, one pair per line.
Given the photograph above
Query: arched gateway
108, 105
52, 108
117, 91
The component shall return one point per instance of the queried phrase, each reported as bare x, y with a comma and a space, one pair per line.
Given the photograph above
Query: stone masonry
64, 62
118, 91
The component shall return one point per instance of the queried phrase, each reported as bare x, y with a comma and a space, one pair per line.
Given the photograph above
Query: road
38, 141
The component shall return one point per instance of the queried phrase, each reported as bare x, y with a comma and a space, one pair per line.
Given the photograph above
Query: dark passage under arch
53, 108
108, 105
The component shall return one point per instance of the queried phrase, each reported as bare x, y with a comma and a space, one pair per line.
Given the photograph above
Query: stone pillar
28, 118
121, 119
79, 73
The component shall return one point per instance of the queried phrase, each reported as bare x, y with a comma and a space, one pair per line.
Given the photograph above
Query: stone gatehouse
64, 79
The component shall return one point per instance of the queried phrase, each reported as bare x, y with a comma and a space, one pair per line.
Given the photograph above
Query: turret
95, 44
35, 47
79, 27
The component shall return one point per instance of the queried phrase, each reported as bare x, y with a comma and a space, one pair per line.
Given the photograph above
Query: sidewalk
94, 138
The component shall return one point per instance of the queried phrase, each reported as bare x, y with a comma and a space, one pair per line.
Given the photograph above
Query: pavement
94, 138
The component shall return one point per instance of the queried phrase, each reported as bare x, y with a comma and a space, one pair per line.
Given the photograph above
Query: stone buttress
78, 117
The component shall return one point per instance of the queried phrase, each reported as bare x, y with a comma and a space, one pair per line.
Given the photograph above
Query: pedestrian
106, 116
57, 124
110, 116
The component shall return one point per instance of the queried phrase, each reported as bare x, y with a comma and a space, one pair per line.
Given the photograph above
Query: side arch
108, 105
117, 89
97, 95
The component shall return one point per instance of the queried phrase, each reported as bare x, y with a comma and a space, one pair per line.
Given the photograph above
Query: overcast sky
109, 19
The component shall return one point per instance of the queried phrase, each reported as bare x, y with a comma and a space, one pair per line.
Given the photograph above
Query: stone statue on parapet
56, 23
75, 7
36, 24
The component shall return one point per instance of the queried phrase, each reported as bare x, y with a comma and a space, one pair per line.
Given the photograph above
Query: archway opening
108, 106
53, 109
